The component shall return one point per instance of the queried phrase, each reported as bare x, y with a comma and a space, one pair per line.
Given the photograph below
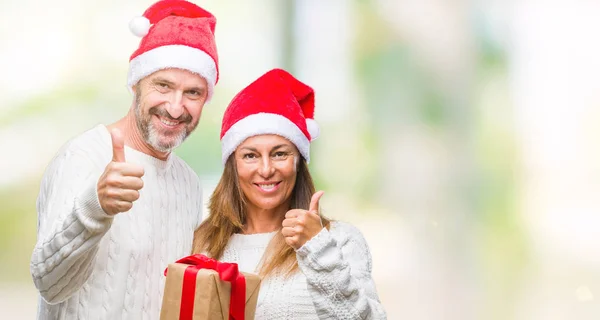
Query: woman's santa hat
276, 103
175, 34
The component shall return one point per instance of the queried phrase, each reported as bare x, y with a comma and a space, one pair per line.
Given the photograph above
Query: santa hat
176, 34
275, 103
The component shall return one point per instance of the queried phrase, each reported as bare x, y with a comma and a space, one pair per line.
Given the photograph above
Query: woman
264, 212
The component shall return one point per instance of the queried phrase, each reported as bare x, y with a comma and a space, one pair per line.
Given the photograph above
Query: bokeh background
461, 137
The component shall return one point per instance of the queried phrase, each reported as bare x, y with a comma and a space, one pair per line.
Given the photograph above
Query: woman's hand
301, 225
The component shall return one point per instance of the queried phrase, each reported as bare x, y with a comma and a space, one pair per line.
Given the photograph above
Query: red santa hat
175, 34
275, 103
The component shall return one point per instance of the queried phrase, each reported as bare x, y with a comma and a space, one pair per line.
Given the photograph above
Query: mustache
161, 112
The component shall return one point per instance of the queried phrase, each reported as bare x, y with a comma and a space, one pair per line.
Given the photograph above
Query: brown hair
227, 216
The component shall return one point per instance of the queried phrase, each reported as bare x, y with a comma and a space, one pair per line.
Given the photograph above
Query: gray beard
151, 135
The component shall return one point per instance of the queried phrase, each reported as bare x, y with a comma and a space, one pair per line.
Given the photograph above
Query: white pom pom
313, 128
139, 26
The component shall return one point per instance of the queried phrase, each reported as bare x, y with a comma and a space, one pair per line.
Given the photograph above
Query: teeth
267, 186
167, 122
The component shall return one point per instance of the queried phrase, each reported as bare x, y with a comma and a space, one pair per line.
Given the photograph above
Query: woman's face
266, 166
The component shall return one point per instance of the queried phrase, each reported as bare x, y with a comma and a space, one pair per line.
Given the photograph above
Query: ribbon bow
227, 272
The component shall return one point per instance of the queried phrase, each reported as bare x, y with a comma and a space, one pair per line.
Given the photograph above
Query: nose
266, 168
175, 106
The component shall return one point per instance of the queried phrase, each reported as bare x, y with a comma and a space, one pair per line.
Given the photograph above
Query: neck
264, 220
133, 136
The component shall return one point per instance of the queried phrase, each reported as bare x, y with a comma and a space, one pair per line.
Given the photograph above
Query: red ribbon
227, 272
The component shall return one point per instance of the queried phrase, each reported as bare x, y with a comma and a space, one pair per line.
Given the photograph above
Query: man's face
168, 104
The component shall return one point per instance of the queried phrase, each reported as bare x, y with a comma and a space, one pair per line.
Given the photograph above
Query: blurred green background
461, 137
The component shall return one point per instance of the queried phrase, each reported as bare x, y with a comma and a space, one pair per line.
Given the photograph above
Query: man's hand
119, 185
300, 225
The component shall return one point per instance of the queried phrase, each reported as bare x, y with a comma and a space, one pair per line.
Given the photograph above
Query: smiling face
168, 107
266, 167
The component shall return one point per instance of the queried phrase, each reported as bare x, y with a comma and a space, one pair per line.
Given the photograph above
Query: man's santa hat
175, 34
276, 103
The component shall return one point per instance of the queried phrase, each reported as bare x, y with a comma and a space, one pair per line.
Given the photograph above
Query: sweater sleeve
337, 266
71, 224
199, 203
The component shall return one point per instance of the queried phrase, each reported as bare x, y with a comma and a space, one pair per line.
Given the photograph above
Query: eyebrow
162, 80
171, 83
272, 149
279, 146
199, 89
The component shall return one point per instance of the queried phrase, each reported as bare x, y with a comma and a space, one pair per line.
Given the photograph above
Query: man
115, 206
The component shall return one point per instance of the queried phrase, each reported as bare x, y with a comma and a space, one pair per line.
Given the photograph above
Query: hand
301, 225
119, 185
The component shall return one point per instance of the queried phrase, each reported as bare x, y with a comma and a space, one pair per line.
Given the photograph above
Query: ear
134, 91
296, 162
232, 163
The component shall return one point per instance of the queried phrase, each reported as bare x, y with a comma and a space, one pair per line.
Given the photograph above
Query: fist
119, 185
301, 225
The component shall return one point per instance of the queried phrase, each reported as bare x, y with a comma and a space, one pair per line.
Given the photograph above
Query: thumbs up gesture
301, 225
119, 185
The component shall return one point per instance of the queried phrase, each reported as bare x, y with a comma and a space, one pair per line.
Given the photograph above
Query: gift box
201, 288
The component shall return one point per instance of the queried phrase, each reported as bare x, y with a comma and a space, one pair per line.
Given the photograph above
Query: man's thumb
118, 145
314, 201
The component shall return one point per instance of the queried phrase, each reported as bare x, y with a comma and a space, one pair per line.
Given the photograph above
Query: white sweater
89, 265
334, 281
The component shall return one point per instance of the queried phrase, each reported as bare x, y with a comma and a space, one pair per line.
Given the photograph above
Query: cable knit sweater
334, 281
89, 265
